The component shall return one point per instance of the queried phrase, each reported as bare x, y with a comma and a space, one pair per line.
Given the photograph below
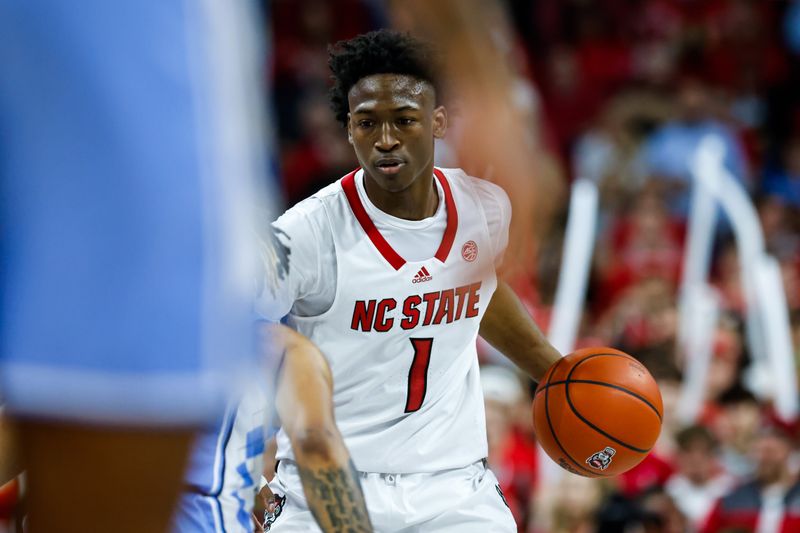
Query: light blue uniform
225, 470
127, 157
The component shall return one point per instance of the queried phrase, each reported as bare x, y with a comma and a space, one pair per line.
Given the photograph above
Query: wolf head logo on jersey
469, 251
600, 460
274, 255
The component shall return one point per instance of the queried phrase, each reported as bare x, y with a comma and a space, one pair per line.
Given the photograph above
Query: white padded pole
702, 309
771, 299
576, 260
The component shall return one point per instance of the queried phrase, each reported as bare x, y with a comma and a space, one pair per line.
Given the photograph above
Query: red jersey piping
385, 249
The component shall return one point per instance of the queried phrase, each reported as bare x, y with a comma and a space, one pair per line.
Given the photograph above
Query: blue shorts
127, 157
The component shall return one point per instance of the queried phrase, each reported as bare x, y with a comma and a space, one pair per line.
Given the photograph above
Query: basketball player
226, 465
393, 276
127, 152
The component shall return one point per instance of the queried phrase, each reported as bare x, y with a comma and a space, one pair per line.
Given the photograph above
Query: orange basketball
597, 412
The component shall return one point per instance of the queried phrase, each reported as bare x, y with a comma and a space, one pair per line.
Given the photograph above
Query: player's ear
439, 122
349, 131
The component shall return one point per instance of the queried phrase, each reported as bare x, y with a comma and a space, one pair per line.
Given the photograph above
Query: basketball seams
603, 384
581, 417
550, 424
549, 383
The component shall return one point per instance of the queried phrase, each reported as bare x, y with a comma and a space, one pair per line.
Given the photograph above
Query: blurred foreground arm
507, 326
305, 406
497, 139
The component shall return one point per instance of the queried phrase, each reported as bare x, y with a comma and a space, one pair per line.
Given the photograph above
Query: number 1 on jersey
418, 374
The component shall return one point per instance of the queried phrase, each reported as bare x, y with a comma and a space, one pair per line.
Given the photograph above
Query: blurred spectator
669, 152
512, 455
652, 511
727, 278
653, 471
700, 479
726, 362
770, 502
570, 505
735, 424
642, 316
608, 153
644, 244
660, 514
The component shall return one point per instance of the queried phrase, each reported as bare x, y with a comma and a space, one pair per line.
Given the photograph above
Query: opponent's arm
493, 135
497, 138
507, 326
305, 406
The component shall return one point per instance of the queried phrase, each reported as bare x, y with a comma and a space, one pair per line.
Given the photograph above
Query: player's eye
405, 121
365, 123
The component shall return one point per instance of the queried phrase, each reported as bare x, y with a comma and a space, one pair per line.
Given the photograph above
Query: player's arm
508, 326
495, 140
305, 406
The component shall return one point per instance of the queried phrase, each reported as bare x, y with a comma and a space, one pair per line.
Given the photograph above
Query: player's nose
387, 140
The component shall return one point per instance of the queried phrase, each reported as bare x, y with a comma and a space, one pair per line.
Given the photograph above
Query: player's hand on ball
597, 412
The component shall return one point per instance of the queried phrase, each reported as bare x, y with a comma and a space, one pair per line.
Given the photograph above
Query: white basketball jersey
400, 336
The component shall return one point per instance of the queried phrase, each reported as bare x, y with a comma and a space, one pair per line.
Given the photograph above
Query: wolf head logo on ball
600, 460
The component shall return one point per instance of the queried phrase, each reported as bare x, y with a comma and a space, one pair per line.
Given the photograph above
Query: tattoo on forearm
336, 500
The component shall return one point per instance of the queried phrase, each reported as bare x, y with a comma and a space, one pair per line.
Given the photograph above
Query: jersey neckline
380, 243
382, 218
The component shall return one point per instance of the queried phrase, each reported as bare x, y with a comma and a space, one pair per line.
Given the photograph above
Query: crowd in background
620, 92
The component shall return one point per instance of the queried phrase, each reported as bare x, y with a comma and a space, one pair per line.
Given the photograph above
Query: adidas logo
422, 276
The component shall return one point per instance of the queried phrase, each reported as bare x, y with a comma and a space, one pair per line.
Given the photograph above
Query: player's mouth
389, 165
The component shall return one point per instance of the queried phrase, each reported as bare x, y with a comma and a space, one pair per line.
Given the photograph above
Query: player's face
392, 123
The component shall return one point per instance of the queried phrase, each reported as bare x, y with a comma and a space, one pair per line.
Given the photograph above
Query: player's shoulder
312, 209
486, 191
330, 192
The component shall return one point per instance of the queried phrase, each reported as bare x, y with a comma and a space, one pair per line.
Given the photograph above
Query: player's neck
419, 201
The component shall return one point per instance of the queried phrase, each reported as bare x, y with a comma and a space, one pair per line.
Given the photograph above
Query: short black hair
695, 434
378, 52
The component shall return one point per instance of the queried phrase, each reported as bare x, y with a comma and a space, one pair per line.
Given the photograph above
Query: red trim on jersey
388, 253
452, 218
385, 249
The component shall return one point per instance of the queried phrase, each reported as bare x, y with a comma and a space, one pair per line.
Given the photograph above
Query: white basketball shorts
462, 500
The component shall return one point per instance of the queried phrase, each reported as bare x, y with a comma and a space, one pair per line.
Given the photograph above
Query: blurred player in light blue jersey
225, 470
295, 385
129, 149
225, 467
